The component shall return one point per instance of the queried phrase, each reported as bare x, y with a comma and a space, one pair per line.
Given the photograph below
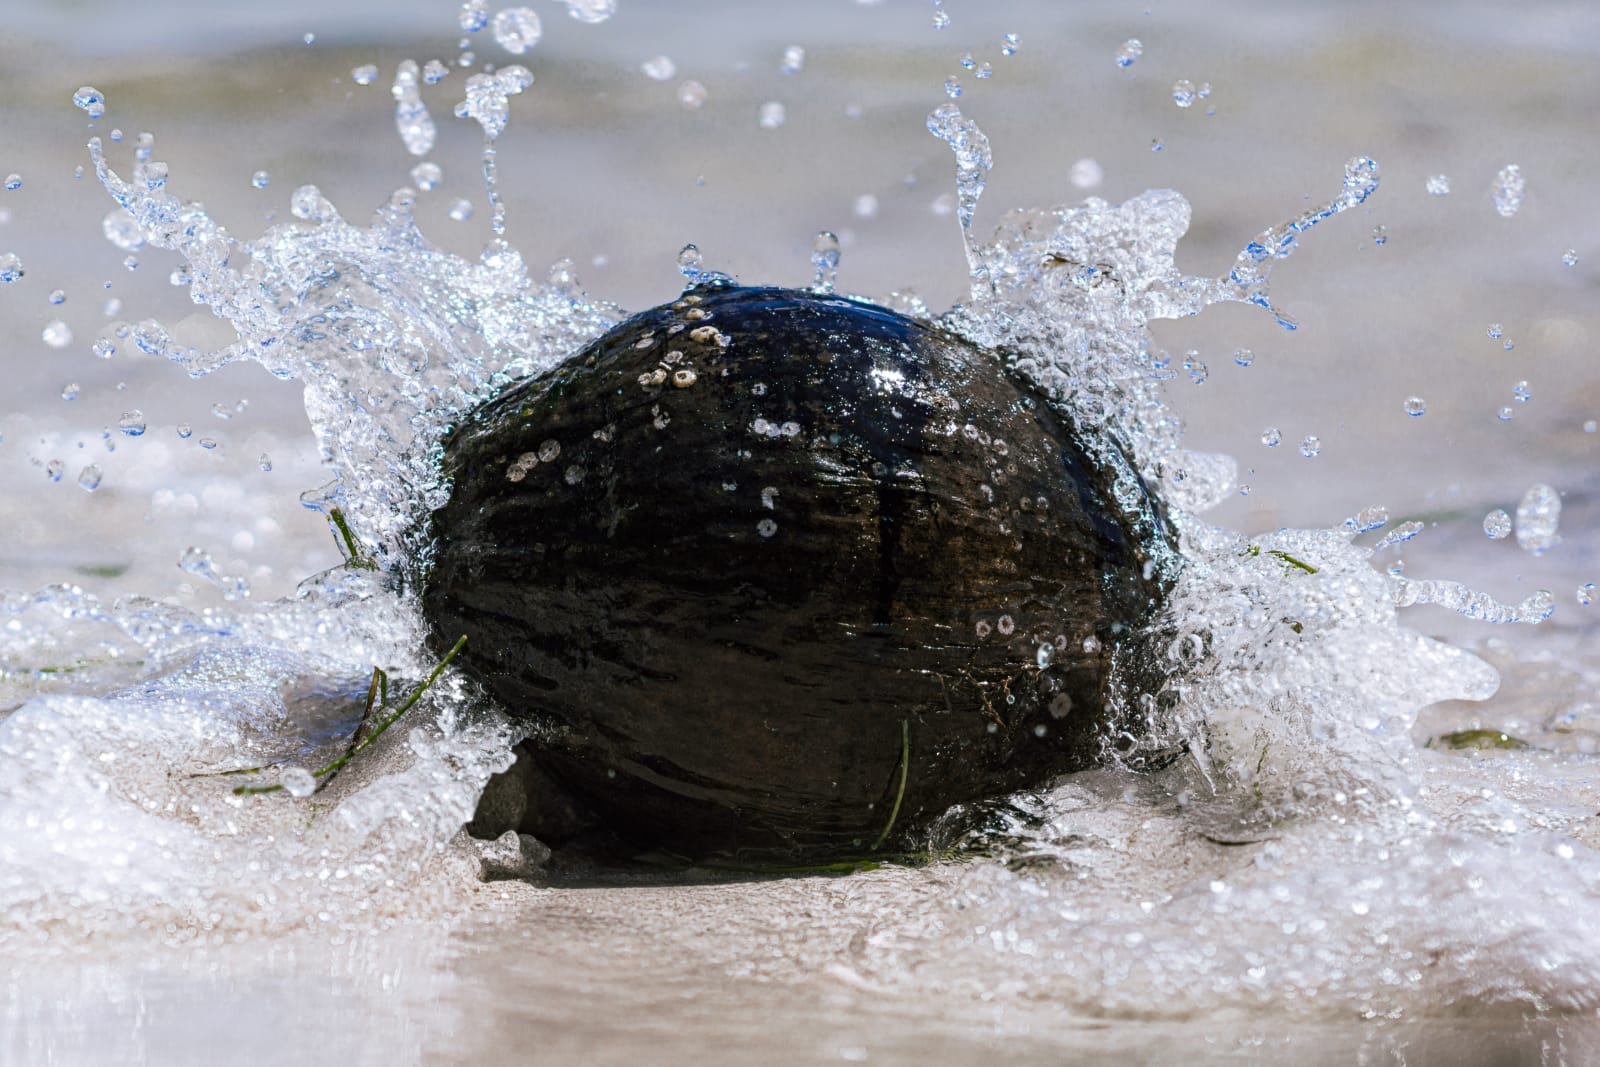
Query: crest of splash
1292, 678
393, 338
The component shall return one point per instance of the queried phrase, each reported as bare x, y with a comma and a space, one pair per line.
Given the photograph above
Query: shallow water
1416, 905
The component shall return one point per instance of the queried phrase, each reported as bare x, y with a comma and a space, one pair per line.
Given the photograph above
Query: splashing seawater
1291, 687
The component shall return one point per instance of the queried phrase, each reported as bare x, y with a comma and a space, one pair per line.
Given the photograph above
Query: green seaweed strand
416, 695
900, 793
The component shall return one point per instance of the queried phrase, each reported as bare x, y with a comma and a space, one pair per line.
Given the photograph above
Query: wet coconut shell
752, 560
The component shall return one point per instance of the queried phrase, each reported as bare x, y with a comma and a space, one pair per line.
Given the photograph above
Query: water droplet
825, 258
1586, 594
13, 182
1497, 525
427, 176
434, 72
1438, 185
1156, 144
766, 527
692, 95
1538, 515
89, 478
56, 334
1380, 235
1590, 426
941, 19
208, 443
1271, 437
365, 74
1521, 392
297, 781
184, 430
70, 391
1183, 92
91, 100
1506, 414
265, 462
1508, 188
309, 38
103, 347
794, 60
772, 115
660, 68
1415, 406
517, 29
1008, 44
54, 469
411, 118
952, 87
10, 267
1495, 332
1244, 357
460, 209
591, 11
132, 423
1311, 448
689, 262
985, 70
966, 61
1569, 258
308, 203
1129, 52
57, 296
473, 16
122, 230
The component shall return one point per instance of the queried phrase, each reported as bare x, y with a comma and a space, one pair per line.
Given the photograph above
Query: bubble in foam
517, 29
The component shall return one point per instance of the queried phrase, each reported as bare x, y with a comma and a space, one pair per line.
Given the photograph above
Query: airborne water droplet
89, 478
1415, 406
427, 176
411, 118
1438, 185
260, 179
474, 15
1497, 525
794, 59
692, 95
1586, 594
460, 209
1129, 52
825, 258
297, 781
659, 68
1311, 448
56, 334
10, 267
1271, 437
517, 29
1183, 93
1538, 515
365, 74
1508, 188
772, 115
591, 11
132, 423
91, 100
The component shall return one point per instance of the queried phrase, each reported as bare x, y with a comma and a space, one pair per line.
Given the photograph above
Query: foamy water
1312, 862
